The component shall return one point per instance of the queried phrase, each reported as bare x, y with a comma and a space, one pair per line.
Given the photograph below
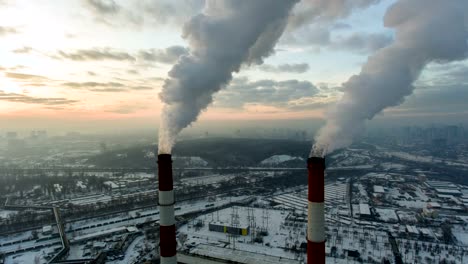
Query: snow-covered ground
279, 235
416, 251
30, 257
208, 179
282, 233
135, 217
412, 204
387, 215
278, 159
461, 234
191, 161
6, 213
132, 252
240, 256
421, 158
15, 237
392, 166
353, 158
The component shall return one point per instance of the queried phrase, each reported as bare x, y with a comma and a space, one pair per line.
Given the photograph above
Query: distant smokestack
316, 213
167, 228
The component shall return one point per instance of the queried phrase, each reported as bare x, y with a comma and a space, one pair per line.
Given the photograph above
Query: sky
92, 64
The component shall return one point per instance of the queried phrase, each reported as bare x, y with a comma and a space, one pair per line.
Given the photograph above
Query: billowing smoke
426, 31
226, 35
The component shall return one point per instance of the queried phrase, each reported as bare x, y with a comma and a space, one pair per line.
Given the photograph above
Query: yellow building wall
244, 231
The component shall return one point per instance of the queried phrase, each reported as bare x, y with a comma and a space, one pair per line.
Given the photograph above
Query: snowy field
6, 213
279, 235
31, 256
416, 251
282, 233
132, 252
420, 158
278, 159
461, 234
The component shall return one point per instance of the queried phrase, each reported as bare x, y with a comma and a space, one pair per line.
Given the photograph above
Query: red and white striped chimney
316, 213
167, 228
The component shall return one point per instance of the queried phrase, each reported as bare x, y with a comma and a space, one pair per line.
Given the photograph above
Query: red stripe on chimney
316, 179
165, 172
168, 243
315, 252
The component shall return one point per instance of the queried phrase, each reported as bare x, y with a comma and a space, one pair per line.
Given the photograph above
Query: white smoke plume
226, 35
426, 31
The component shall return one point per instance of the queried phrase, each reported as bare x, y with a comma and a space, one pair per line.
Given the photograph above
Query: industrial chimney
167, 229
316, 213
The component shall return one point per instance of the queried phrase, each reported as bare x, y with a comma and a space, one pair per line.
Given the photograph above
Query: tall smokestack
167, 228
316, 213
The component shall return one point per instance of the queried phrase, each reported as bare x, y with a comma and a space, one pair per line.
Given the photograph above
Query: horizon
70, 78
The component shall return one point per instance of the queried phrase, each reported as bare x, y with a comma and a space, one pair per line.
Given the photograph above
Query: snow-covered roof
46, 229
364, 209
378, 189
448, 191
433, 205
99, 234
112, 184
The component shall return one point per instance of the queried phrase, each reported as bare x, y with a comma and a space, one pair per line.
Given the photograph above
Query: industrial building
242, 230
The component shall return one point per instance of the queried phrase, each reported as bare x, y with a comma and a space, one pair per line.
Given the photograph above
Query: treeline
31, 185
216, 151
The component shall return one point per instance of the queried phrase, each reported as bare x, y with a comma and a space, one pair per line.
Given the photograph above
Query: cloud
363, 42
169, 11
109, 13
23, 50
126, 108
341, 26
291, 68
168, 55
139, 13
321, 36
103, 6
96, 54
141, 87
21, 98
311, 103
7, 31
13, 68
436, 99
266, 92
447, 74
316, 34
92, 84
25, 77
109, 87
325, 10
316, 22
